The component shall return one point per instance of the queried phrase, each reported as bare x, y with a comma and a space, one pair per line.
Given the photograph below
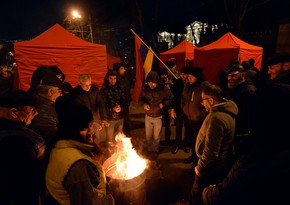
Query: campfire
125, 164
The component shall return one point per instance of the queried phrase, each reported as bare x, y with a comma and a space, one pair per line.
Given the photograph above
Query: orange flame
128, 163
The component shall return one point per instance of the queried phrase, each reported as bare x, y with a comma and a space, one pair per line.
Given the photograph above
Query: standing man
193, 111
115, 102
262, 173
214, 141
176, 112
125, 83
240, 90
89, 95
154, 98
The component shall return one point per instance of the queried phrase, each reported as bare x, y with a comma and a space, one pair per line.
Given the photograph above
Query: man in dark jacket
240, 89
214, 143
154, 97
193, 111
90, 96
176, 112
48, 89
21, 151
125, 82
114, 99
261, 175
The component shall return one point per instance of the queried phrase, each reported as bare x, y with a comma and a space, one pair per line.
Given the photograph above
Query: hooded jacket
153, 97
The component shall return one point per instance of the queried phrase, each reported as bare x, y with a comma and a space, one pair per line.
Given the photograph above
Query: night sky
21, 20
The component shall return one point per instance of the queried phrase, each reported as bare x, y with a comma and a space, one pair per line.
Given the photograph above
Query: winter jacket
191, 101
92, 99
214, 143
241, 95
21, 153
153, 97
113, 95
45, 122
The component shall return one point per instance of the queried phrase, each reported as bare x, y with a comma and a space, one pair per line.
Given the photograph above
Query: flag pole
154, 54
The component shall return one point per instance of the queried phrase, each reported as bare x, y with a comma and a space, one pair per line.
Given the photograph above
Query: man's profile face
191, 79
86, 85
275, 70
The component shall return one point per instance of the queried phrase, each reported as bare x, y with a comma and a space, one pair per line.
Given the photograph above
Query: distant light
76, 15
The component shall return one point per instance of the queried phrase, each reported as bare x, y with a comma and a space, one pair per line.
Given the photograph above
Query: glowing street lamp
76, 15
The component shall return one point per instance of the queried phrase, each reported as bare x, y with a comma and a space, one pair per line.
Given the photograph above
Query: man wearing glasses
21, 150
240, 90
214, 141
48, 89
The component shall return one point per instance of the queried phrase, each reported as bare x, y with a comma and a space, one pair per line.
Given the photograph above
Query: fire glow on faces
125, 163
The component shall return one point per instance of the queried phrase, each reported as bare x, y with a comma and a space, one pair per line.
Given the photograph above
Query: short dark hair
215, 92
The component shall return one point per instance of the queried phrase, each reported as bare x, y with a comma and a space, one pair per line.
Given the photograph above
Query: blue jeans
115, 127
153, 126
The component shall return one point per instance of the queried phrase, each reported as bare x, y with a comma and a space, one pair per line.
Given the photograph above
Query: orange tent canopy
57, 46
216, 56
183, 54
111, 60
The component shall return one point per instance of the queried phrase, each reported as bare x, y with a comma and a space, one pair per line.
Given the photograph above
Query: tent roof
57, 46
229, 41
56, 36
182, 47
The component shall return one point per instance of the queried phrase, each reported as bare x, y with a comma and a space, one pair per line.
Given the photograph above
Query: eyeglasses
205, 99
234, 73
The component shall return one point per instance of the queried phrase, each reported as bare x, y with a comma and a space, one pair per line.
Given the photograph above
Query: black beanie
72, 116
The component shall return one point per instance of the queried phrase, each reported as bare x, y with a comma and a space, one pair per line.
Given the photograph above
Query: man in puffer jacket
154, 97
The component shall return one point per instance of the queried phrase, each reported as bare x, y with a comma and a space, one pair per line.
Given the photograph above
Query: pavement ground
167, 180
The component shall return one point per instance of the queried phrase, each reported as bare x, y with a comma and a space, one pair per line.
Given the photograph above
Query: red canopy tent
215, 57
183, 54
111, 60
57, 46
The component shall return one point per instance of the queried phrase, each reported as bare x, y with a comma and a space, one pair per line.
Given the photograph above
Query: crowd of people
236, 132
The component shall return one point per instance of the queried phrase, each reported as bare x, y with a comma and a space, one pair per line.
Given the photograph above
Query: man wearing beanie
176, 112
74, 174
154, 97
193, 110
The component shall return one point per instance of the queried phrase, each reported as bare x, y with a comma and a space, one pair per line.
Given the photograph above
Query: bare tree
236, 10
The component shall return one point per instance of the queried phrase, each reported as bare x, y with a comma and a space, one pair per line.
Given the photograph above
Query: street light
76, 15
80, 26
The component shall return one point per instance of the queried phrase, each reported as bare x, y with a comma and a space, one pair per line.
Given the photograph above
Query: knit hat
17, 98
195, 71
162, 71
72, 116
152, 77
184, 69
279, 58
